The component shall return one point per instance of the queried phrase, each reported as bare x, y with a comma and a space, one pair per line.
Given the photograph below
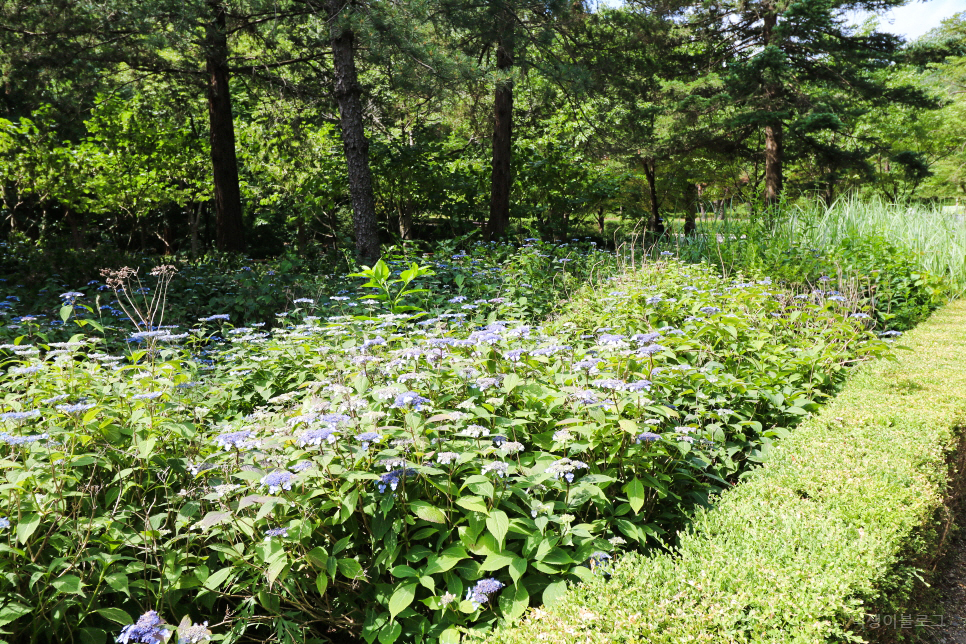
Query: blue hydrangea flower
710, 310
22, 440
149, 629
147, 396
4, 523
391, 479
566, 468
410, 399
649, 350
76, 408
318, 436
276, 532
194, 634
647, 437
496, 467
367, 438
446, 458
236, 440
280, 480
638, 385
19, 415
480, 593
23, 371
214, 318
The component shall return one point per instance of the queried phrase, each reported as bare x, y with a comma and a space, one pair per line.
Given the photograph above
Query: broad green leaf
636, 494
116, 615
472, 503
350, 568
401, 599
68, 584
449, 636
217, 578
428, 512
498, 523
27, 527
11, 611
514, 602
554, 592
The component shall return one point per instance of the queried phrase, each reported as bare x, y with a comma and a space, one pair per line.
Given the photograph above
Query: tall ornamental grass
934, 235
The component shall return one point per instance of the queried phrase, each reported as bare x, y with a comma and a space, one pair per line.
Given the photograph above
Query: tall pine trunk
229, 227
355, 145
774, 156
655, 225
774, 147
502, 138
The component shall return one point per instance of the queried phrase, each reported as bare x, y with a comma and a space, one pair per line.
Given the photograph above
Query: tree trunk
193, 222
355, 145
76, 228
601, 220
691, 197
774, 156
774, 149
655, 224
502, 138
230, 229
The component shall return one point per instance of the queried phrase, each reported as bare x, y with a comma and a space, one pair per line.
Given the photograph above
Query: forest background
302, 126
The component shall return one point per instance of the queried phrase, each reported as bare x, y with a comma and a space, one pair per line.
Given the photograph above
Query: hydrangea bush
388, 476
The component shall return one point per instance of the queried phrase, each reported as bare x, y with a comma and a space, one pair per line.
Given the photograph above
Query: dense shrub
535, 280
832, 540
886, 279
385, 476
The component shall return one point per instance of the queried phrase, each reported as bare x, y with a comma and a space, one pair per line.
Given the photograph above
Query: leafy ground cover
381, 475
528, 281
837, 530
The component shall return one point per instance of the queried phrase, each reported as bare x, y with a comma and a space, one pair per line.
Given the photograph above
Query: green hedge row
826, 532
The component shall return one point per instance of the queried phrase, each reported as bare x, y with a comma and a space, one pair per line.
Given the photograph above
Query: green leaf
554, 592
351, 568
65, 312
317, 557
495, 562
472, 503
449, 636
498, 523
514, 604
390, 633
321, 583
116, 615
217, 578
11, 611
636, 494
517, 567
401, 599
428, 512
27, 527
68, 584
276, 569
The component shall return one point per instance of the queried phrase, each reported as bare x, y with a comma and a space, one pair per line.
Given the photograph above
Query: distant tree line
249, 125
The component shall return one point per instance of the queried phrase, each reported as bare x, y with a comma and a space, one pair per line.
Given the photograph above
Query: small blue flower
317, 436
4, 523
647, 437
280, 480
276, 532
480, 593
236, 440
366, 438
392, 478
149, 629
76, 408
410, 399
19, 415
214, 318
147, 396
